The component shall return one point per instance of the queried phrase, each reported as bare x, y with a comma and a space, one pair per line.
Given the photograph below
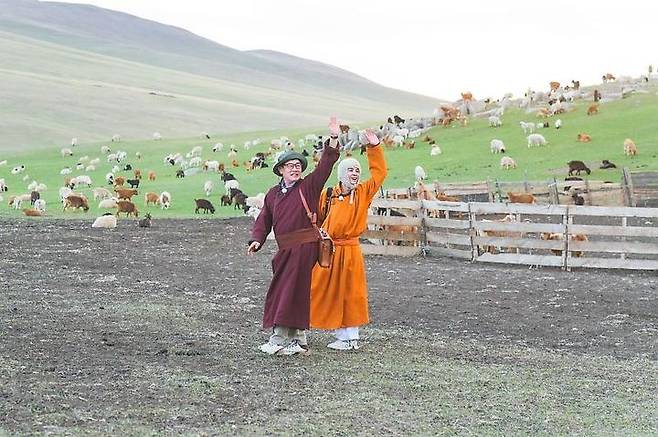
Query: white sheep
109, 178
398, 140
32, 186
3, 185
231, 184
82, 179
83, 159
66, 152
3, 162
218, 147
65, 171
95, 161
138, 155
116, 169
195, 162
528, 128
506, 162
110, 203
16, 201
494, 121
204, 136
420, 173
436, 150
18, 169
157, 136
74, 142
165, 200
112, 157
211, 166
232, 154
247, 145
196, 151
116, 138
558, 123
79, 166
208, 187
497, 146
121, 155
40, 205
536, 140
41, 187
106, 221
101, 193
64, 192
26, 177
105, 150
90, 168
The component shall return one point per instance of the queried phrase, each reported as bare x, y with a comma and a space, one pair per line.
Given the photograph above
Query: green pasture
466, 157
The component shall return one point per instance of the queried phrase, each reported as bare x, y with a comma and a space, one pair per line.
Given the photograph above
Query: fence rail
549, 235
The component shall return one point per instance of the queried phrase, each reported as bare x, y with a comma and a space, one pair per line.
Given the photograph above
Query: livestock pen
578, 236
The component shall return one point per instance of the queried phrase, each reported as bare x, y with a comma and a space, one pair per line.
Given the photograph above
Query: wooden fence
617, 237
642, 188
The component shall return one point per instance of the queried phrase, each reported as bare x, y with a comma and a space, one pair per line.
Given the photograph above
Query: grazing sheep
494, 121
208, 187
583, 138
528, 128
536, 140
218, 147
151, 175
205, 136
577, 167
127, 207
420, 173
205, 205
225, 200
165, 200
607, 164
180, 174
17, 201
65, 171
80, 180
18, 169
109, 178
138, 155
116, 138
151, 198
231, 184
90, 168
106, 221
497, 146
40, 205
507, 162
593, 109
76, 201
105, 150
3, 162
64, 192
435, 150
146, 221
157, 136
101, 193
630, 149
74, 142
3, 185
66, 152
210, 165
125, 193
110, 203
558, 123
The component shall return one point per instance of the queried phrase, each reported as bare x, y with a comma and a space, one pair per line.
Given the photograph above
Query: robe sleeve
263, 224
315, 181
377, 166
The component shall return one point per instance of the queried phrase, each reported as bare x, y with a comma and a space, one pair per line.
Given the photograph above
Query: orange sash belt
347, 242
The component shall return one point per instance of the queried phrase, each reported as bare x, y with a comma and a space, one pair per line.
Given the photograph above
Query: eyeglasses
293, 165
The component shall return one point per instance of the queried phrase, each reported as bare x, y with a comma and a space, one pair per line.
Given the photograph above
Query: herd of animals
395, 132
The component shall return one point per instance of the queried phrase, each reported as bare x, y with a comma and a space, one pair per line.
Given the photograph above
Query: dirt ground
156, 330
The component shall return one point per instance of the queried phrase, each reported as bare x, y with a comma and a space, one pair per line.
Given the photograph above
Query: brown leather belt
347, 242
296, 238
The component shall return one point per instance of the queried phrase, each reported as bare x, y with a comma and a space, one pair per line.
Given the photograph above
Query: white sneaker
271, 348
344, 345
293, 348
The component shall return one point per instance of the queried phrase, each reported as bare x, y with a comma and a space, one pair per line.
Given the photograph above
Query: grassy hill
82, 71
466, 156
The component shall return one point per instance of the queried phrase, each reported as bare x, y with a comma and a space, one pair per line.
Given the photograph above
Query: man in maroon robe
287, 304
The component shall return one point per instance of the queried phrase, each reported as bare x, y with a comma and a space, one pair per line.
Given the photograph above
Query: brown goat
74, 201
125, 193
153, 198
119, 181
151, 175
521, 197
127, 207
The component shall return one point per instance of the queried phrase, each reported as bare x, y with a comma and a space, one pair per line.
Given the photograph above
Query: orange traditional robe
339, 294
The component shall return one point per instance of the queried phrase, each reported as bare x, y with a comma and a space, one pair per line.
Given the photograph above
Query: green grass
466, 157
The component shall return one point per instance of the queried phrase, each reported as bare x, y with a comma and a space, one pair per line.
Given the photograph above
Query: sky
429, 47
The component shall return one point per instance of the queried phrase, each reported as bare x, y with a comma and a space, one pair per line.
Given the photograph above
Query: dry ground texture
155, 331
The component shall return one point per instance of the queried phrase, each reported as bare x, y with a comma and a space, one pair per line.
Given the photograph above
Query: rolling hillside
82, 71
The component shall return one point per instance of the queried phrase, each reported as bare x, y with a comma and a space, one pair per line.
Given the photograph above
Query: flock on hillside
121, 184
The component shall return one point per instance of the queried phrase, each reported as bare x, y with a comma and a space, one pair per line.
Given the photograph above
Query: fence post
555, 191
490, 190
628, 187
566, 220
471, 233
423, 224
589, 192
526, 187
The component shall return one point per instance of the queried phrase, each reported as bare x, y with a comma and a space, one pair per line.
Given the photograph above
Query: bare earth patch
136, 331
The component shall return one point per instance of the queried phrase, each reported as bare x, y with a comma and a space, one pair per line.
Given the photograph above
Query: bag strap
327, 206
311, 215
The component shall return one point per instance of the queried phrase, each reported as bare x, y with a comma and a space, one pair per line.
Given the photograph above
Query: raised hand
372, 138
334, 129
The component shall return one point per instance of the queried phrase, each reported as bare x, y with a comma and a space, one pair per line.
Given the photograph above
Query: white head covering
342, 172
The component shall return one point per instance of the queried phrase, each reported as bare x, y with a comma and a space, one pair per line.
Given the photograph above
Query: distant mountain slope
88, 72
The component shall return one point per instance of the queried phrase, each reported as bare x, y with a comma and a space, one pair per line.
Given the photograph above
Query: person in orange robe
339, 294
